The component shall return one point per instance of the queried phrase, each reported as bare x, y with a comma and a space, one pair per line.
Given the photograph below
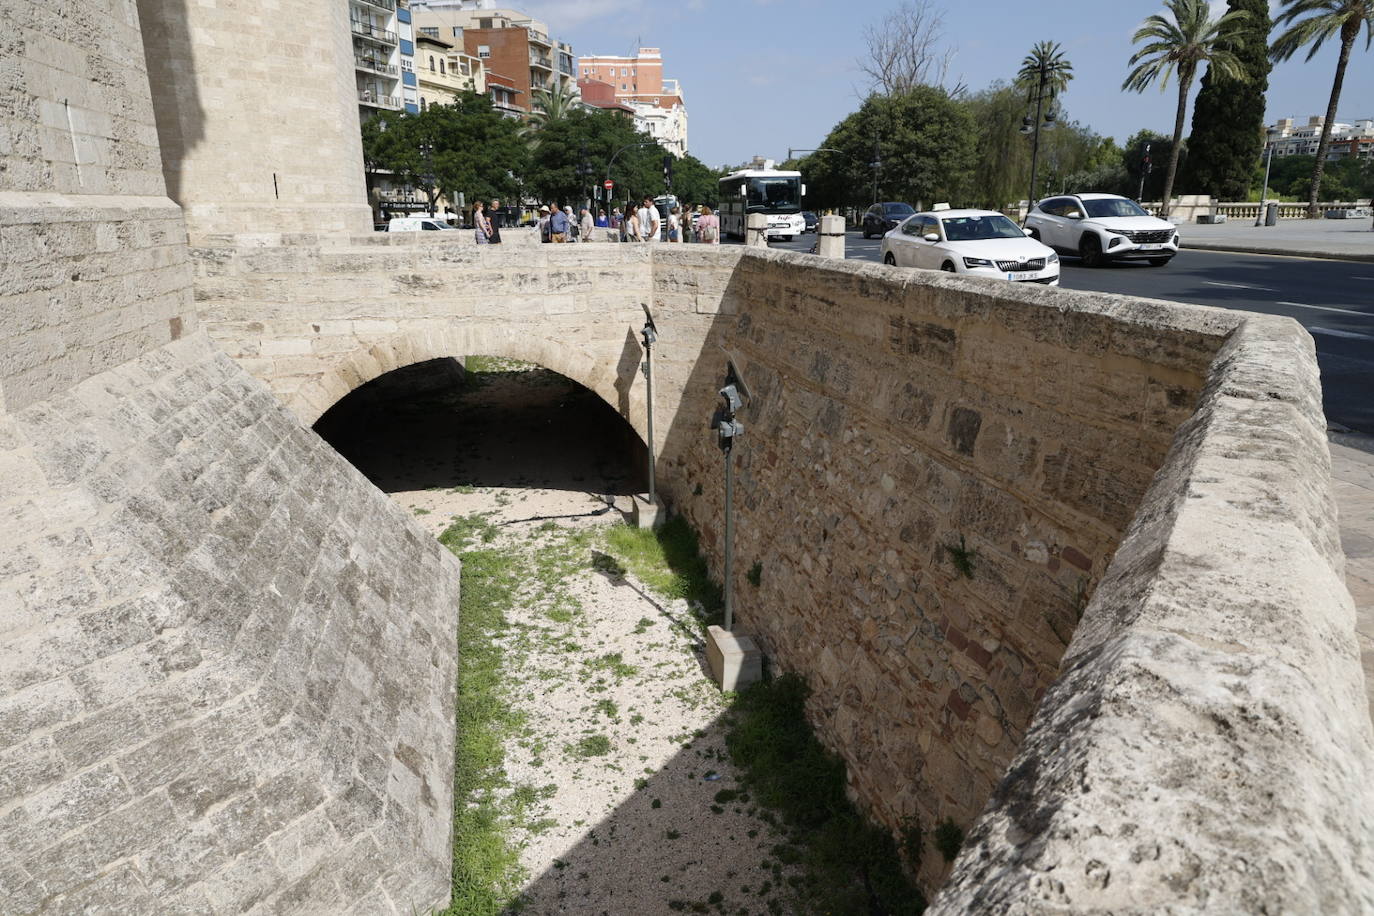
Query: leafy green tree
1228, 115
694, 182
1312, 22
924, 141
1343, 179
1133, 159
1181, 45
573, 155
551, 104
466, 147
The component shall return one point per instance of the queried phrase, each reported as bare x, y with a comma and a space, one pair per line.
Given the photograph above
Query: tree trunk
1185, 82
1348, 36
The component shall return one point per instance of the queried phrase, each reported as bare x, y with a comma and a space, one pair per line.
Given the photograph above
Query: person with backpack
708, 227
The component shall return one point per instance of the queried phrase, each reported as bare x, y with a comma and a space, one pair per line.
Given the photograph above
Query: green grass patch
614, 663
668, 561
849, 866
467, 531
592, 746
486, 867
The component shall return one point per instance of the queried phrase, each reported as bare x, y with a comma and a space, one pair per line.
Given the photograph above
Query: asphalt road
1333, 300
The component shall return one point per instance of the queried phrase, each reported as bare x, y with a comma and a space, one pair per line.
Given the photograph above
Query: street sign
608, 184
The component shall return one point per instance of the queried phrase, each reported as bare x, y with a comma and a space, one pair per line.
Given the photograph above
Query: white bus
774, 193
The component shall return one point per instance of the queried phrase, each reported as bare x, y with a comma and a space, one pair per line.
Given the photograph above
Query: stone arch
611, 376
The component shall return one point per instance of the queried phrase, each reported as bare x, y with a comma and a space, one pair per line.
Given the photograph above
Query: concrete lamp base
647, 514
734, 659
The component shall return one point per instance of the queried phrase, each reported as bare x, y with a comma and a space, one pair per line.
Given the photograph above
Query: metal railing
368, 97
368, 30
376, 66
538, 36
537, 60
381, 4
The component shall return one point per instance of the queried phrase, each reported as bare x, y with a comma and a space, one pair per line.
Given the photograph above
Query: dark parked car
811, 221
882, 218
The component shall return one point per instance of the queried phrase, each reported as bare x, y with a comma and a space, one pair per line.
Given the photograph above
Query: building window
623, 72
423, 103
483, 52
431, 32
431, 63
441, 65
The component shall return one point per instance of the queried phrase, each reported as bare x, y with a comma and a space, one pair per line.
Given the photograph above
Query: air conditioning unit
1211, 219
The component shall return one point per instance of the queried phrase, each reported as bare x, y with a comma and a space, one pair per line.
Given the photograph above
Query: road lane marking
1267, 289
1335, 333
1325, 308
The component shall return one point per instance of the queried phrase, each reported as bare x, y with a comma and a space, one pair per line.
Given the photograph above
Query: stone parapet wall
1208, 746
896, 419
226, 660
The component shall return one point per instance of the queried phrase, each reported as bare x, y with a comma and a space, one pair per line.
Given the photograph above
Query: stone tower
257, 114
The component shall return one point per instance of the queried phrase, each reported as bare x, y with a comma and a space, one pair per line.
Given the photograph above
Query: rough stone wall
85, 226
895, 416
226, 660
228, 664
1207, 747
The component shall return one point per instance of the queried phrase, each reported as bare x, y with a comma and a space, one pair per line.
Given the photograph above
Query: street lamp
427, 151
1040, 93
728, 430
650, 332
616, 155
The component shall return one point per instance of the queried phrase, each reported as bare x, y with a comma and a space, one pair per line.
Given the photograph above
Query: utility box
1211, 219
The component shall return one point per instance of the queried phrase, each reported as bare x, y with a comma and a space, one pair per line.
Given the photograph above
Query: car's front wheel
948, 267
1159, 262
1090, 251
866, 235
890, 259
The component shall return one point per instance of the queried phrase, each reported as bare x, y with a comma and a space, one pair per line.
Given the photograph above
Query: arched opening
486, 422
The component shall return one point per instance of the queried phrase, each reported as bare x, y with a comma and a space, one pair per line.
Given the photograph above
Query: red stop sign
608, 184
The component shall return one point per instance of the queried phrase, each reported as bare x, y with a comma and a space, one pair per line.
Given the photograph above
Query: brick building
638, 82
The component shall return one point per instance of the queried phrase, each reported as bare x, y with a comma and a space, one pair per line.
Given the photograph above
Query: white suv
1103, 227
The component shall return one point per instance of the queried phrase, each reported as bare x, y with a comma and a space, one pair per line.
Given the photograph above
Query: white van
415, 224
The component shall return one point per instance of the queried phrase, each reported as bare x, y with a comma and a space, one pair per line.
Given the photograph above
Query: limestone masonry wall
896, 419
228, 661
1207, 747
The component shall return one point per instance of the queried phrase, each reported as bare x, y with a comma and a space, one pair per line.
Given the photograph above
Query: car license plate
1153, 246
1023, 275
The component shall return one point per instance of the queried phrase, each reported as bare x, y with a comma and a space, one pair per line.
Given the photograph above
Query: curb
1361, 256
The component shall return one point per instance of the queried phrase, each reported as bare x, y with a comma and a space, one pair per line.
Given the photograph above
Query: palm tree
1327, 17
1182, 45
553, 103
1047, 58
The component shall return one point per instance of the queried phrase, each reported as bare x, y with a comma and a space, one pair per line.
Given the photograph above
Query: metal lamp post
729, 429
1040, 94
427, 150
650, 332
877, 165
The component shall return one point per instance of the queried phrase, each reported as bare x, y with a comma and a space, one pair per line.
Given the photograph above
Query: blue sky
763, 75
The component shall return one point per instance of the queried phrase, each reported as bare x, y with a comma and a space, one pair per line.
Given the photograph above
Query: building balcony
537, 37
388, 5
377, 100
543, 63
375, 33
374, 65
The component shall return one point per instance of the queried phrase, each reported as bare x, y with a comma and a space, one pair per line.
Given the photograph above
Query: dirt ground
629, 805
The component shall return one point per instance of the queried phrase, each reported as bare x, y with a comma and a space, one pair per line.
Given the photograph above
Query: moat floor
628, 803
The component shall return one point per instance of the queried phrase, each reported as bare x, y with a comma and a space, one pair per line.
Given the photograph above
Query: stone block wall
226, 660
315, 318
898, 419
85, 227
1207, 747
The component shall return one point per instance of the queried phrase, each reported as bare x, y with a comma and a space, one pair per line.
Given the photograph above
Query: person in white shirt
650, 223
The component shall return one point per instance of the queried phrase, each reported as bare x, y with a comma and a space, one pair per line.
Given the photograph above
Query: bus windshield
774, 195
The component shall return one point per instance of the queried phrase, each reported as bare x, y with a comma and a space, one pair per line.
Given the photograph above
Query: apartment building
1287, 138
376, 56
659, 108
508, 43
443, 72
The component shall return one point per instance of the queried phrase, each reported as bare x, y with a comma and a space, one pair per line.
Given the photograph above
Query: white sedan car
980, 243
